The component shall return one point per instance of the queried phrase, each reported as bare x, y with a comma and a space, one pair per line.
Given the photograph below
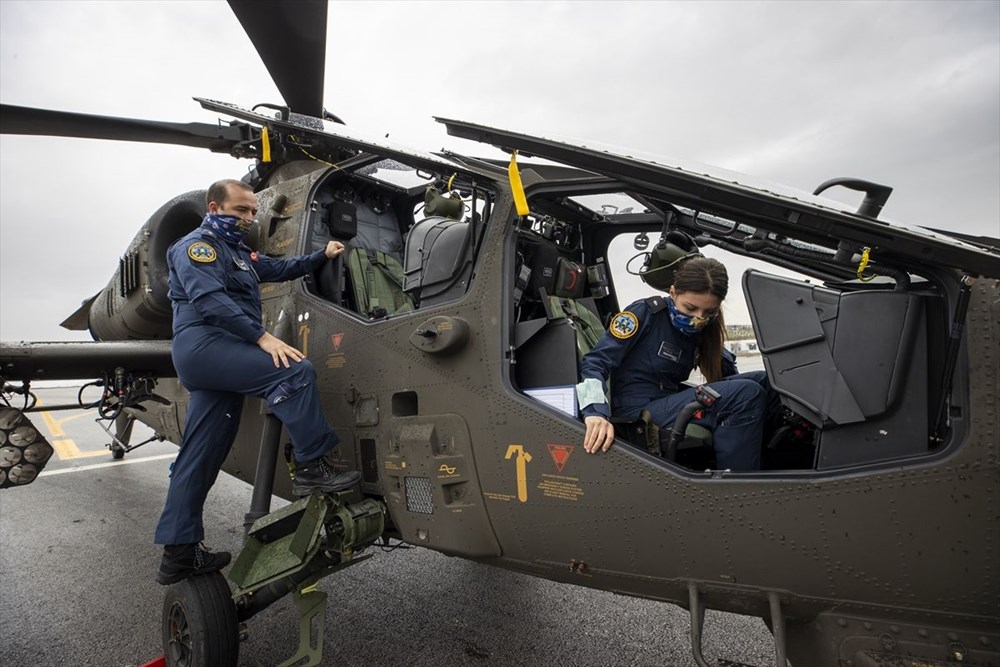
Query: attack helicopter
447, 343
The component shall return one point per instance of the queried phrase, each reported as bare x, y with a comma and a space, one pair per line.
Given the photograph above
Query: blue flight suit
649, 360
214, 288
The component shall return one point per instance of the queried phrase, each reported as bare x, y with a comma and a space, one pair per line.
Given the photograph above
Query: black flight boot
319, 475
181, 561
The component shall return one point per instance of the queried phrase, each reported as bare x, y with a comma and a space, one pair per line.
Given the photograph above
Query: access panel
432, 486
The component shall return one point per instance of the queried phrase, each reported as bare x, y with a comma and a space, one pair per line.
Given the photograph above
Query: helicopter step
287, 551
697, 612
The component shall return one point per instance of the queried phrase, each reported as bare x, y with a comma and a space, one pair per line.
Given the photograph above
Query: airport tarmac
77, 565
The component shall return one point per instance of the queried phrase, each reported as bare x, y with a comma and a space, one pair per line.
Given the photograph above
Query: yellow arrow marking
523, 458
304, 337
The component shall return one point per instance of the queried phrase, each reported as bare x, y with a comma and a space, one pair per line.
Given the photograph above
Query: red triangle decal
560, 454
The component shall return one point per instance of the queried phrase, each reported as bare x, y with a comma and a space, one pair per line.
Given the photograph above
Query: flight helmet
673, 249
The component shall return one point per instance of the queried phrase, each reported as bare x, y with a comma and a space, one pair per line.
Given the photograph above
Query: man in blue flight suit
222, 352
650, 350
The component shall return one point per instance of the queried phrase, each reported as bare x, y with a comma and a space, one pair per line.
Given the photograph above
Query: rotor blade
46, 122
290, 38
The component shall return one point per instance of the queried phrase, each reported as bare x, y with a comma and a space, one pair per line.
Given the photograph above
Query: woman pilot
650, 350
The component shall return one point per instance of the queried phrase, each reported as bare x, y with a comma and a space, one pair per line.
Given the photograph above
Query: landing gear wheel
200, 628
117, 452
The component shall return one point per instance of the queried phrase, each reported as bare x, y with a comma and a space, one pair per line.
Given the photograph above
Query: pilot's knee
742, 389
760, 377
743, 397
306, 370
299, 373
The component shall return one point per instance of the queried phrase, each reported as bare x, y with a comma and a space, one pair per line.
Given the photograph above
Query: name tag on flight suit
669, 352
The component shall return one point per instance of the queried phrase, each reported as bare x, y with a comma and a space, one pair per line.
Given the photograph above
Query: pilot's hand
333, 248
279, 350
600, 434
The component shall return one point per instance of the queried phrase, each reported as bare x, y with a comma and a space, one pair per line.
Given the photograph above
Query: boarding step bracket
697, 612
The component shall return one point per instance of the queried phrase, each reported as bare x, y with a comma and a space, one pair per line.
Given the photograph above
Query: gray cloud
902, 93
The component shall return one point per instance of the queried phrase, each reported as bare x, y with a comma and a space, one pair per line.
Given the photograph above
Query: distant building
739, 332
744, 346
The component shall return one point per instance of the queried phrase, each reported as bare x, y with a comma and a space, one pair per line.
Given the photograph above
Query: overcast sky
902, 93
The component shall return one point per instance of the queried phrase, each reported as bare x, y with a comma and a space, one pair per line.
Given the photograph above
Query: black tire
200, 628
117, 453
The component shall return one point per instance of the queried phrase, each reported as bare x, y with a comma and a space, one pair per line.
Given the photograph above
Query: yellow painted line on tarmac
72, 417
66, 448
109, 464
55, 430
92, 453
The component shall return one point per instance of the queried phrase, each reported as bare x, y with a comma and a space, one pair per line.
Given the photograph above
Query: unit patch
624, 325
201, 252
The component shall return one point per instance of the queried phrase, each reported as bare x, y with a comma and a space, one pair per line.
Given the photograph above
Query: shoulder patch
200, 251
656, 303
624, 325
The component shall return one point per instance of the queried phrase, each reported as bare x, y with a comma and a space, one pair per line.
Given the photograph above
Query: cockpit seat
695, 451
377, 283
437, 265
338, 221
581, 313
368, 277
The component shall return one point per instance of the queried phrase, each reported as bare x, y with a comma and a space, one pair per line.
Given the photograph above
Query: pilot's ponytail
703, 275
710, 349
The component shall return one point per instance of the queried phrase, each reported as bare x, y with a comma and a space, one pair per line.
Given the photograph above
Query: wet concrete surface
77, 565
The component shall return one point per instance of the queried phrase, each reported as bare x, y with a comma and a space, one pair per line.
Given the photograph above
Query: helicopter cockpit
852, 356
411, 237
858, 354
